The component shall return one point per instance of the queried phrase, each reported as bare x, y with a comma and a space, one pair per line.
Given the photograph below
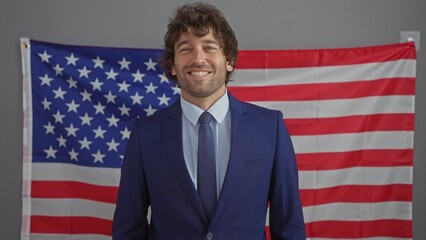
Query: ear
229, 67
173, 71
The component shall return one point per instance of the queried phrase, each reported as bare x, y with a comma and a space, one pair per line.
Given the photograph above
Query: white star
72, 83
176, 90
111, 74
49, 128
123, 86
137, 76
110, 97
124, 110
85, 119
136, 99
99, 132
112, 145
150, 65
113, 121
149, 111
58, 117
99, 108
44, 56
59, 93
164, 100
46, 104
71, 130
124, 64
45, 80
85, 144
50, 152
58, 70
163, 78
62, 141
98, 62
86, 95
84, 72
72, 106
125, 133
71, 59
73, 154
98, 157
151, 88
97, 85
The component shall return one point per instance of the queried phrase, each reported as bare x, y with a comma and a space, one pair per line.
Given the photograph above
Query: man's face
200, 66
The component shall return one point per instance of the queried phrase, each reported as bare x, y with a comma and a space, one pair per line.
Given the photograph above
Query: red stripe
68, 189
360, 158
70, 225
362, 229
351, 124
251, 59
357, 194
268, 233
324, 91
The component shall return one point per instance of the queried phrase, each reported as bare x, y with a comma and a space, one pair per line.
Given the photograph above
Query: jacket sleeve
130, 217
286, 215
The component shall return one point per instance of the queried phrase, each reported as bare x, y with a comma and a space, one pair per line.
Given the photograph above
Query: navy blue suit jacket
261, 168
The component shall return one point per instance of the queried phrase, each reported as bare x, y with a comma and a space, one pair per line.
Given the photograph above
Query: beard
201, 85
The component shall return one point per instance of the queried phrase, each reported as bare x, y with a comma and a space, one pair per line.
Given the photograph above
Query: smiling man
200, 67
209, 164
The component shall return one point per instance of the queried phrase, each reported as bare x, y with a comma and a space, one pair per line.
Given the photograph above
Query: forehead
189, 37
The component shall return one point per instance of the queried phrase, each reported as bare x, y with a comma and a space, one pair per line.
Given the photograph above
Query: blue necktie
206, 179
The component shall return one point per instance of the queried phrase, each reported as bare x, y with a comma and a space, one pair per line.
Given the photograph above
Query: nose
199, 56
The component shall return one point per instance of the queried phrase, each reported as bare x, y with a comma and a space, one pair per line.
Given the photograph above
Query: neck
204, 102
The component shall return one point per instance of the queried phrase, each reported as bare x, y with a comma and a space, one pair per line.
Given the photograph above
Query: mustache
198, 66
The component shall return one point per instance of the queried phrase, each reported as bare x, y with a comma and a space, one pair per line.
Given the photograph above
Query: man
207, 180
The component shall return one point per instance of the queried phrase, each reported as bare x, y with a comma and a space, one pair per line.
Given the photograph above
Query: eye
184, 50
211, 48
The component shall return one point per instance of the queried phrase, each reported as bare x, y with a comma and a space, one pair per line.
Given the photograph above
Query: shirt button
209, 236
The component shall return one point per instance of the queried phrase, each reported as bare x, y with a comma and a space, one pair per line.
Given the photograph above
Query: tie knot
205, 118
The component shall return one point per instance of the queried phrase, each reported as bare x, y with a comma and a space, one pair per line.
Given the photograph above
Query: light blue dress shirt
221, 127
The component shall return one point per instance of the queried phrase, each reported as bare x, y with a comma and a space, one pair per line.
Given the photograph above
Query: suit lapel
240, 137
174, 149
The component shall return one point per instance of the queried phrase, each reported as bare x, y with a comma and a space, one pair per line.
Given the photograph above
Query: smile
198, 73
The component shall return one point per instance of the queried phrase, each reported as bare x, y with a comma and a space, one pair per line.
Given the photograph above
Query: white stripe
72, 208
69, 172
69, 237
358, 211
355, 176
333, 74
342, 107
343, 142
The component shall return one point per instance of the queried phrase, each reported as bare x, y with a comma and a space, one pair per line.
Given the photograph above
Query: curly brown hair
200, 17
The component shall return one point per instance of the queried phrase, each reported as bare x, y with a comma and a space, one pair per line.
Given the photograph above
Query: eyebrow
205, 41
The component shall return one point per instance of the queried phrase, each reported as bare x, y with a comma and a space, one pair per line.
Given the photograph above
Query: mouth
198, 73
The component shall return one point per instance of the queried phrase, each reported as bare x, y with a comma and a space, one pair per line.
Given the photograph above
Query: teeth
199, 74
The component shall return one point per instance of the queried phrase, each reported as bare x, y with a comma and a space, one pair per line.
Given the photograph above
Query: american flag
79, 104
350, 113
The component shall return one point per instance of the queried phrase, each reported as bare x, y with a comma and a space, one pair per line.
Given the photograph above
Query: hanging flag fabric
350, 113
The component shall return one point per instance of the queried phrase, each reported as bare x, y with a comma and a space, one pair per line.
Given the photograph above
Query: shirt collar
218, 110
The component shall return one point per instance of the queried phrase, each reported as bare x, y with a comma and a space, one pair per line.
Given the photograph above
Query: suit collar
240, 137
174, 149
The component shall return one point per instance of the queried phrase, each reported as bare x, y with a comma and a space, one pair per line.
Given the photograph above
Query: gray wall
271, 24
